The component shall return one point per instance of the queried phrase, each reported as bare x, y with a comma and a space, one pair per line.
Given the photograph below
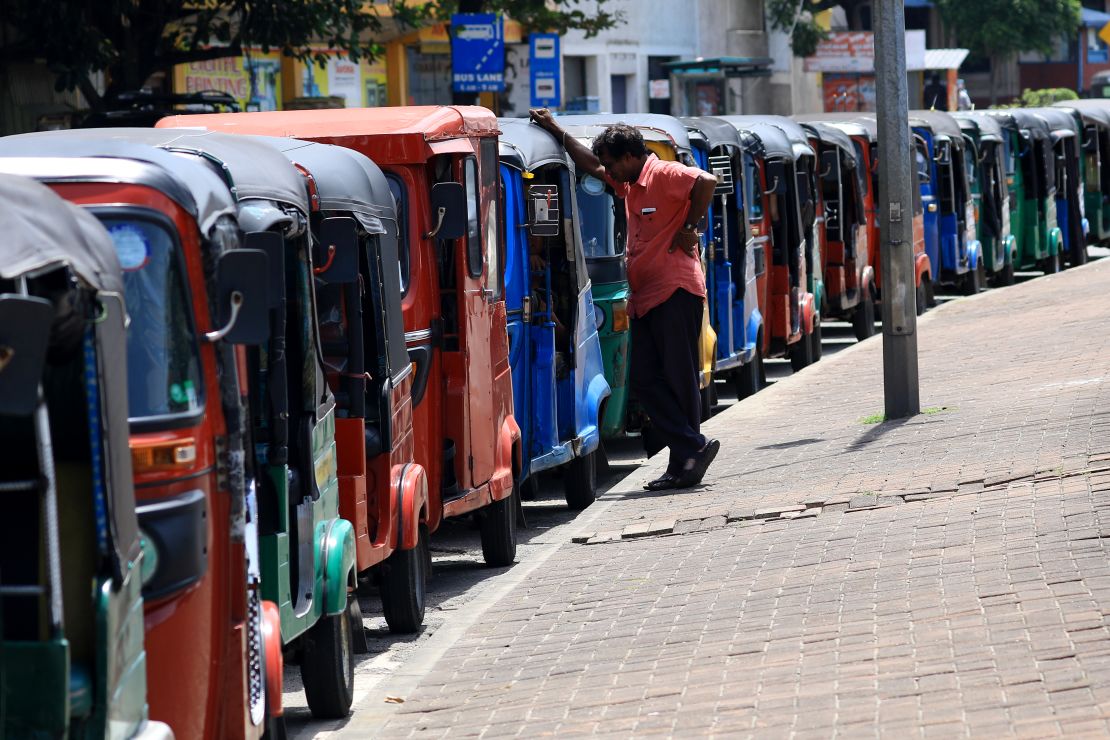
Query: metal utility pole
900, 378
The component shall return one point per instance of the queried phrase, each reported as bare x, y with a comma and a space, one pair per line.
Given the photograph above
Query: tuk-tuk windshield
602, 224
162, 364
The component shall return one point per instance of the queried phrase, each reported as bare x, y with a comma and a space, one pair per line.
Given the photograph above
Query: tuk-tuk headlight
620, 316
149, 564
599, 317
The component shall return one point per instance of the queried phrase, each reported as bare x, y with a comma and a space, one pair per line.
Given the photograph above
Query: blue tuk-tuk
731, 268
1067, 138
950, 238
559, 381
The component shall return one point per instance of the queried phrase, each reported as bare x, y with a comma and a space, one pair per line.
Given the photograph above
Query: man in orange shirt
664, 202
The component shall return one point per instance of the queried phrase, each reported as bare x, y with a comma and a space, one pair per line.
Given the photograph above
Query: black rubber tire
815, 339
1050, 265
1005, 276
328, 667
404, 587
748, 380
921, 300
1079, 255
497, 527
580, 481
970, 282
930, 291
707, 402
801, 354
863, 319
530, 491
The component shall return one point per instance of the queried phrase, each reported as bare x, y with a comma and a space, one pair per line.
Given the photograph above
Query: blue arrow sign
477, 52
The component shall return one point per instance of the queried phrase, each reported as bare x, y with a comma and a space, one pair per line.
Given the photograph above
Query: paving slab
976, 605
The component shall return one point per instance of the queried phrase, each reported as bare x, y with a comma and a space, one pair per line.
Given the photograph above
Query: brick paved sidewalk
946, 575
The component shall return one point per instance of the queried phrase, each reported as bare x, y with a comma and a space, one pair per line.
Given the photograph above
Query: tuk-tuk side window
598, 215
915, 190
473, 219
162, 359
491, 195
755, 190
861, 169
397, 187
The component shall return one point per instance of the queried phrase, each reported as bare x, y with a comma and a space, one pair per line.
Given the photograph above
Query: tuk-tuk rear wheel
580, 481
497, 526
863, 320
801, 354
404, 586
328, 667
749, 378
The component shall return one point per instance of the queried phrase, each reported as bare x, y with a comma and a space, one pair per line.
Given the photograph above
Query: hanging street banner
544, 70
477, 53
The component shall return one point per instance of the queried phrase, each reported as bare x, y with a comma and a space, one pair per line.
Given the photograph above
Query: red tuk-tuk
863, 129
775, 217
213, 648
441, 163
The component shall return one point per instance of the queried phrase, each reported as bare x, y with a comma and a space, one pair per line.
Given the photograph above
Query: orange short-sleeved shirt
656, 206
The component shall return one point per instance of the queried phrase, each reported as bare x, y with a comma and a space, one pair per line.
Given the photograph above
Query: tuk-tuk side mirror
336, 262
273, 244
830, 166
242, 297
448, 200
543, 210
24, 336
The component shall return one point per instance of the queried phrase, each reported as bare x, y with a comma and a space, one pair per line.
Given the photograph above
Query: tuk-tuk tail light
620, 316
163, 455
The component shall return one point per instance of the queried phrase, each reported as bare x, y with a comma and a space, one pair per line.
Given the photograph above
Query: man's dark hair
618, 140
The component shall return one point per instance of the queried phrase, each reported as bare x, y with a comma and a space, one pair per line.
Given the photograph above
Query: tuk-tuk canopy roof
988, 128
1061, 122
1093, 110
828, 134
256, 171
773, 139
1020, 119
429, 122
940, 122
853, 124
91, 158
717, 132
792, 136
667, 128
526, 146
42, 230
345, 180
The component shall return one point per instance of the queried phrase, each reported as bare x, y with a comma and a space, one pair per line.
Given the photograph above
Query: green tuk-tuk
1093, 115
72, 663
986, 173
1031, 179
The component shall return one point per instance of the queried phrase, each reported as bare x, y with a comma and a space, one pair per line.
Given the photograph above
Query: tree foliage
1002, 28
1041, 98
799, 19
131, 40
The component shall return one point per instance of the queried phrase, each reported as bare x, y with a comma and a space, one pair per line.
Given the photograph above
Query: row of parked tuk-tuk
250, 362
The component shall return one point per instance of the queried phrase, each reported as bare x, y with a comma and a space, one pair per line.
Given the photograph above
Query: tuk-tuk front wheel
580, 481
801, 353
497, 526
749, 378
972, 280
922, 299
707, 402
328, 667
1051, 265
816, 339
863, 320
1005, 276
404, 586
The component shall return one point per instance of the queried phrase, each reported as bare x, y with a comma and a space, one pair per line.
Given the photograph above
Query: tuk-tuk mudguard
509, 457
1009, 250
275, 664
922, 268
410, 484
809, 312
755, 329
1055, 241
337, 550
868, 282
596, 393
974, 254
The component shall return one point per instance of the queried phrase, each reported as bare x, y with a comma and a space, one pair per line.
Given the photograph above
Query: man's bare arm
584, 159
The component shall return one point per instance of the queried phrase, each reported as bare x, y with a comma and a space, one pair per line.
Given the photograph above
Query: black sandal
663, 483
702, 460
